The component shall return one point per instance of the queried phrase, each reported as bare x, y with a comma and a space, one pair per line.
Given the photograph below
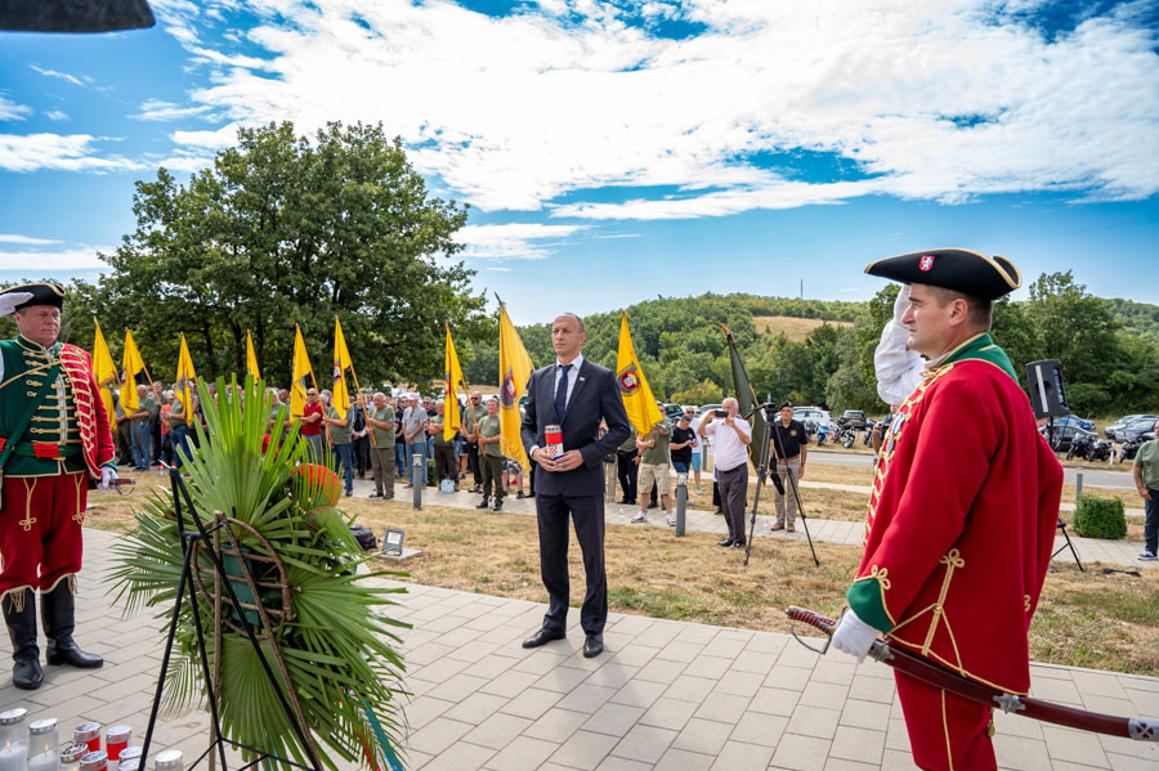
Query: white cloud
56, 115
10, 110
936, 101
77, 258
13, 238
160, 110
513, 241
60, 152
81, 81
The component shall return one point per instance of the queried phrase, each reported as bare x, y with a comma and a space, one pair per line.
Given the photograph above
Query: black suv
854, 419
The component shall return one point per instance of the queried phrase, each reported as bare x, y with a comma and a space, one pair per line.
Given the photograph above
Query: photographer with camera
731, 435
791, 448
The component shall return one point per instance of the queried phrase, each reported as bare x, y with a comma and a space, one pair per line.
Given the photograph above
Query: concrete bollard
418, 477
681, 502
1078, 484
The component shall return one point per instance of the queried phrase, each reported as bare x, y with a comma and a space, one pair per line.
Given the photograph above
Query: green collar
28, 345
981, 347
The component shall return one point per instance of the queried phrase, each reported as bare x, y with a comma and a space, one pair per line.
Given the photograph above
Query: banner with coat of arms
635, 392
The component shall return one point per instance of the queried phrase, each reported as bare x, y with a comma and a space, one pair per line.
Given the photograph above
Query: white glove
108, 476
899, 370
8, 302
853, 636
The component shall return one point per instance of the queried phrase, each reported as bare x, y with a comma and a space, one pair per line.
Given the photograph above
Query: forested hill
1109, 348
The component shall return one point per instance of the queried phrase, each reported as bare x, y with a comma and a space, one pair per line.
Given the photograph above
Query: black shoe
542, 637
483, 504
625, 501
498, 506
520, 494
374, 495
718, 511
593, 646
26, 672
477, 489
58, 627
727, 542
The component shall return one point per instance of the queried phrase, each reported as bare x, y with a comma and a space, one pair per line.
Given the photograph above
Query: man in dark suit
574, 394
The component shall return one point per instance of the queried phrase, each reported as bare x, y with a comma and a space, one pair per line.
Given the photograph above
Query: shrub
1100, 518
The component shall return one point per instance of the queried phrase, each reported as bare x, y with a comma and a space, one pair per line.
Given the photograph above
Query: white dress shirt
729, 450
572, 378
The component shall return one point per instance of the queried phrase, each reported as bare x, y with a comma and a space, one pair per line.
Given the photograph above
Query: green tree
283, 229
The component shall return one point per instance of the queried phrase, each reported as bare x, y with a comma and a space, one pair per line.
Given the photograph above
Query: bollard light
681, 502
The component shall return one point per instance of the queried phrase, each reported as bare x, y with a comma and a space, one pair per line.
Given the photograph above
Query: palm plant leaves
337, 647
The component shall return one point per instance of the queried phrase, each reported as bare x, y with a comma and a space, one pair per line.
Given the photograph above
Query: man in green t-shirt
653, 448
341, 430
472, 414
491, 456
1147, 483
380, 423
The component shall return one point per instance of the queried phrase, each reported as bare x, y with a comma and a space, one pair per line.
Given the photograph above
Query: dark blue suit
579, 492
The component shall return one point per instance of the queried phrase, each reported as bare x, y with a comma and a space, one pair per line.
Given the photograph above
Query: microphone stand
770, 415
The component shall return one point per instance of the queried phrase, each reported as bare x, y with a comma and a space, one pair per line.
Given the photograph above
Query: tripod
192, 540
1068, 544
762, 470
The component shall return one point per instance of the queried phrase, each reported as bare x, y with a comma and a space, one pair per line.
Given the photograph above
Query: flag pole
358, 388
144, 366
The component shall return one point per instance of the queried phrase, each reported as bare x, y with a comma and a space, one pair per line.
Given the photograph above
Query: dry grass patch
1085, 619
793, 328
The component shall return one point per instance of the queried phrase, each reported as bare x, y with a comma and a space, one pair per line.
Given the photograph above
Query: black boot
26, 672
59, 622
485, 503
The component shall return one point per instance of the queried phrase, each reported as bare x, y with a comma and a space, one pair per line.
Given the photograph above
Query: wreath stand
247, 615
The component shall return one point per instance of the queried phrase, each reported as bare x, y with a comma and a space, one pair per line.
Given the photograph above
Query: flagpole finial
498, 298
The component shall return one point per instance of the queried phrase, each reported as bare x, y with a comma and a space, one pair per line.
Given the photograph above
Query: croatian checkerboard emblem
926, 263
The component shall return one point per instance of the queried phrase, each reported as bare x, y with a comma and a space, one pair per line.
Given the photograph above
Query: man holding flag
181, 413
571, 396
652, 430
54, 436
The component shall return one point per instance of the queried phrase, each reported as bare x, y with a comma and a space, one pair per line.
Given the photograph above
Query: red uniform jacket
961, 521
95, 434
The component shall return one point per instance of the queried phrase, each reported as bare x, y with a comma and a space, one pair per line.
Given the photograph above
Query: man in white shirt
731, 435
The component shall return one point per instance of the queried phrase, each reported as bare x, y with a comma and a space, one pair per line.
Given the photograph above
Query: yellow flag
514, 371
186, 380
340, 394
251, 357
105, 370
131, 365
301, 370
637, 396
452, 379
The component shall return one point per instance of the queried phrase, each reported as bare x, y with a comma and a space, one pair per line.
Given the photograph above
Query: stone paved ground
665, 695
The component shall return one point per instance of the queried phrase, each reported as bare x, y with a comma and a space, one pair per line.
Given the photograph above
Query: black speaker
1047, 392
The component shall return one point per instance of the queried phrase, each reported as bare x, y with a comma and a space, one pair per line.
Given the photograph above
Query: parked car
815, 414
854, 419
673, 411
1122, 422
1135, 428
1064, 430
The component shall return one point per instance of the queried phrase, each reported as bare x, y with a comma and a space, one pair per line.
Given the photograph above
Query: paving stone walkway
664, 695
1090, 550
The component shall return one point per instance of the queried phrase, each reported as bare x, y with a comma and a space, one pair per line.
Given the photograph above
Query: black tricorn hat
962, 270
43, 293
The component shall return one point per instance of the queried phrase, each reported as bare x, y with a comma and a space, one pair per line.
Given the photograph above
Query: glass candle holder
43, 740
117, 740
12, 729
94, 761
71, 754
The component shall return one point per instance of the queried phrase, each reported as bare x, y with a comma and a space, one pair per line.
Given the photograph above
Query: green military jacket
28, 370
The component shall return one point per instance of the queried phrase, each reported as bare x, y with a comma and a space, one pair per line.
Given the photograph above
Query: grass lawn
1085, 619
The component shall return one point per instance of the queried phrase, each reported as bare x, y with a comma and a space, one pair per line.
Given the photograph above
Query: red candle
116, 740
89, 734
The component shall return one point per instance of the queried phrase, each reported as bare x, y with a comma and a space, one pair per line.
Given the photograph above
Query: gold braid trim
70, 577
16, 597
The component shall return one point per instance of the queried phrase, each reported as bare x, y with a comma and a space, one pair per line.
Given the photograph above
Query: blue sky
615, 151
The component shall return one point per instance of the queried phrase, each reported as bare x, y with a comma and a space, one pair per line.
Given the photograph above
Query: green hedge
1100, 518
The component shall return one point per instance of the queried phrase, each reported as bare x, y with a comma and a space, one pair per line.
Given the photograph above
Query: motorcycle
870, 425
1089, 447
822, 433
1129, 449
847, 436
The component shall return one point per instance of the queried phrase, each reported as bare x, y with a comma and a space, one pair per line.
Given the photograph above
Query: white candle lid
167, 759
13, 716
45, 726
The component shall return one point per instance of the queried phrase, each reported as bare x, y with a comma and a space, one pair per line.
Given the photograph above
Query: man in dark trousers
576, 395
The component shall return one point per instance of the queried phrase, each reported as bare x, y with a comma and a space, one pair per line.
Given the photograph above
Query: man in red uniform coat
54, 436
963, 512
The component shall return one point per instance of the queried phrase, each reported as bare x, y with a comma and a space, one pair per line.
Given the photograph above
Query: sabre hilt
816, 620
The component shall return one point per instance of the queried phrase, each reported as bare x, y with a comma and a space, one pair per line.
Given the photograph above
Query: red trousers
40, 530
946, 732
